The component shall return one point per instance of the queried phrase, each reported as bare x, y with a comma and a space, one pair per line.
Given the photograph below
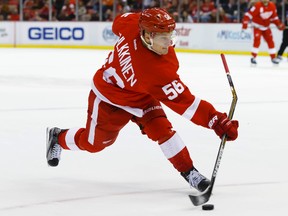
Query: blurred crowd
187, 11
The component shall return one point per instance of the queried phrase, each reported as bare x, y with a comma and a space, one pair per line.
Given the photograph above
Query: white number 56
173, 89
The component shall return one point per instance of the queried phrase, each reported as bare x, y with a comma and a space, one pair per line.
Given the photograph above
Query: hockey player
262, 14
138, 74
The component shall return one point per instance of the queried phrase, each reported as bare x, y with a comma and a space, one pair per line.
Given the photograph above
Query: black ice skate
53, 151
279, 58
253, 61
275, 61
196, 180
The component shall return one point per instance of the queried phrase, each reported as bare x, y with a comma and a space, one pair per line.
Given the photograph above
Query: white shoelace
195, 178
55, 152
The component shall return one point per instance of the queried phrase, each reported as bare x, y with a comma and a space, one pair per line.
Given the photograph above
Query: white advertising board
194, 37
103, 33
7, 33
224, 37
55, 33
65, 33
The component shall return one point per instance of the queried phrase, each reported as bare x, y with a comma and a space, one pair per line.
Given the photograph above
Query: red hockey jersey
134, 75
262, 16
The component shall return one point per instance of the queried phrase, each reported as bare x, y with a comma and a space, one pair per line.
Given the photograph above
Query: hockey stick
205, 196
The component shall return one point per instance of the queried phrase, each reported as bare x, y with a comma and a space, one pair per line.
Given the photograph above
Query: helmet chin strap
149, 46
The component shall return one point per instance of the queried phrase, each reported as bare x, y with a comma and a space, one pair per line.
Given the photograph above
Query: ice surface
49, 87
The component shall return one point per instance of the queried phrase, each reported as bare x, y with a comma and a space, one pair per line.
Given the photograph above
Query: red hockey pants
104, 122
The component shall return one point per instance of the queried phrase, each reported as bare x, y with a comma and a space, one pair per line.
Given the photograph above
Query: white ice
49, 87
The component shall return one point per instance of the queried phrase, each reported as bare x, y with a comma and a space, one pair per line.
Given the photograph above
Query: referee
284, 43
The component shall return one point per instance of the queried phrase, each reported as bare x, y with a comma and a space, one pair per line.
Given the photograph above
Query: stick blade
201, 198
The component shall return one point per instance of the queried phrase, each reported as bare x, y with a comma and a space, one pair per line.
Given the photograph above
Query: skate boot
53, 151
196, 180
275, 61
279, 58
253, 61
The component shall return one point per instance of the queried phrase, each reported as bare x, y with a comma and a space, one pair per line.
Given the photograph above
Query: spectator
44, 11
230, 8
14, 16
5, 11
107, 4
221, 14
108, 15
206, 9
146, 3
58, 4
67, 12
171, 7
193, 8
186, 17
82, 12
243, 8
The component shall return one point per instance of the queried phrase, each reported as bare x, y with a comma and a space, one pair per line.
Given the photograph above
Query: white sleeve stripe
249, 15
69, 139
173, 146
190, 111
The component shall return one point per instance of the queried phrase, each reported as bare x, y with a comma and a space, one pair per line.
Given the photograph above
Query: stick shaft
205, 196
231, 112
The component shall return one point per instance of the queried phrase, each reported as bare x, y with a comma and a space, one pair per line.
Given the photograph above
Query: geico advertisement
53, 33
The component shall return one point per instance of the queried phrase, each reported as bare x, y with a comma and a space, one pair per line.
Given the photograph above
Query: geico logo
52, 33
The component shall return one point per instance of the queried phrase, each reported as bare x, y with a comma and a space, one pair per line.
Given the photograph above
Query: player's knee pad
158, 129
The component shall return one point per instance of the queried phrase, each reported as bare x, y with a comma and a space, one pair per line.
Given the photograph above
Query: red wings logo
266, 15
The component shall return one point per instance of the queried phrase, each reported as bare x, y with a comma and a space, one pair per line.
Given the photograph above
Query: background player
261, 15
